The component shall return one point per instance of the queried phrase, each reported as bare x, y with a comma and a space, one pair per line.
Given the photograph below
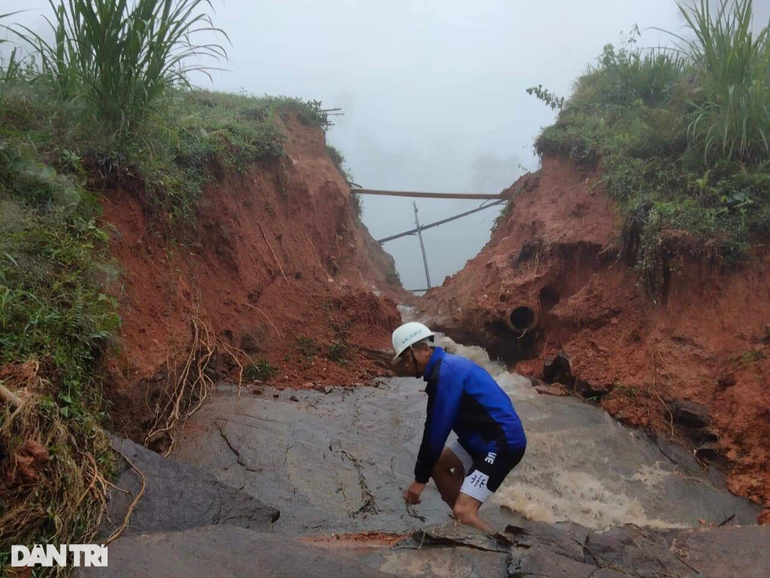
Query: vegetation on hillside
682, 135
105, 108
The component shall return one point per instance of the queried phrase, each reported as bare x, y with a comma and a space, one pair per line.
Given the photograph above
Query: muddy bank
560, 274
277, 266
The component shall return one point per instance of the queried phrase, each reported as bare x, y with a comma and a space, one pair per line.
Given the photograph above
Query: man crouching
462, 397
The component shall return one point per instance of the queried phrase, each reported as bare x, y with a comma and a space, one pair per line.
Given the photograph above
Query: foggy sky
433, 91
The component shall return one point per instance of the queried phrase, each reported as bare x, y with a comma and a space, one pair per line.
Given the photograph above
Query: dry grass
54, 475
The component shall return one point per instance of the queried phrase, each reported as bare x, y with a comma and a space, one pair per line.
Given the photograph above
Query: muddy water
583, 466
338, 462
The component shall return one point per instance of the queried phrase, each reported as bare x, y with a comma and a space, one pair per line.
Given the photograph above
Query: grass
63, 500
260, 370
340, 352
200, 137
307, 347
680, 137
731, 114
53, 266
55, 315
124, 57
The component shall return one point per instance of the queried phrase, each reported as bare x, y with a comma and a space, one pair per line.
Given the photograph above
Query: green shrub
54, 264
260, 370
307, 347
340, 352
626, 76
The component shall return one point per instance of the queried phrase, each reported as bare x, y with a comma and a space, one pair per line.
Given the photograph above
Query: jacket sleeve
443, 405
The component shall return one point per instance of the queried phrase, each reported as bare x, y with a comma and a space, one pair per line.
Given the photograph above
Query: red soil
384, 539
277, 255
705, 339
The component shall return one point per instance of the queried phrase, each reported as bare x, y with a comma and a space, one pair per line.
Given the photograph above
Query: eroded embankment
278, 268
560, 273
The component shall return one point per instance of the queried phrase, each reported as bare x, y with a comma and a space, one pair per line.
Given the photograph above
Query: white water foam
580, 465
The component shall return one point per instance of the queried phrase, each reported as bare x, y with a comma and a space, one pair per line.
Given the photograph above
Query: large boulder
178, 496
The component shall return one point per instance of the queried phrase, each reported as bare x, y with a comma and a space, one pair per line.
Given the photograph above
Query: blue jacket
463, 397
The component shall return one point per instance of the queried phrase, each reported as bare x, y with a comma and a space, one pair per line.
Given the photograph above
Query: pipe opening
522, 318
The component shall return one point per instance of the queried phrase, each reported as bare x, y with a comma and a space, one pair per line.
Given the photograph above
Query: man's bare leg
448, 474
466, 509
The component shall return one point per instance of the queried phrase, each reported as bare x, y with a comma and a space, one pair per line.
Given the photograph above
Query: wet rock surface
568, 550
339, 462
178, 496
528, 549
224, 552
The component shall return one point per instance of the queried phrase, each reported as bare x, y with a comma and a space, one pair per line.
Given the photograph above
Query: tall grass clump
124, 56
731, 106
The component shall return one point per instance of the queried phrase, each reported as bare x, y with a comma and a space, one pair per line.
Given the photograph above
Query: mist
433, 92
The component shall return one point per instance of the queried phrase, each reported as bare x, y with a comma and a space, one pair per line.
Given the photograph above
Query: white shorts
485, 473
457, 449
474, 485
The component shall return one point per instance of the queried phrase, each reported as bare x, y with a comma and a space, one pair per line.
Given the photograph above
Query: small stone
689, 414
590, 390
726, 381
275, 395
558, 368
707, 452
294, 398
709, 435
556, 389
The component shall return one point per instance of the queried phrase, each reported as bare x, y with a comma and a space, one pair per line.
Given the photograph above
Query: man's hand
412, 493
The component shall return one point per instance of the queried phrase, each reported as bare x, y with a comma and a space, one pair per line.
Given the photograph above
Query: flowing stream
337, 462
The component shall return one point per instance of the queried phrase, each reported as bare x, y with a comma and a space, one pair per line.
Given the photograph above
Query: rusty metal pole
422, 245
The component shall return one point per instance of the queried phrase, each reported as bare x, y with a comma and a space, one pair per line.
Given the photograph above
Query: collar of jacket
438, 353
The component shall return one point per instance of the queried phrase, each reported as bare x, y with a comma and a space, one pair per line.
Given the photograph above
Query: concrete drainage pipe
522, 318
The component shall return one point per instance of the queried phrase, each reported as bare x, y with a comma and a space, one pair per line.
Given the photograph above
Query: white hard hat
409, 334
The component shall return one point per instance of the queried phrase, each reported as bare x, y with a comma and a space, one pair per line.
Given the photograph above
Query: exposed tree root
191, 388
117, 533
